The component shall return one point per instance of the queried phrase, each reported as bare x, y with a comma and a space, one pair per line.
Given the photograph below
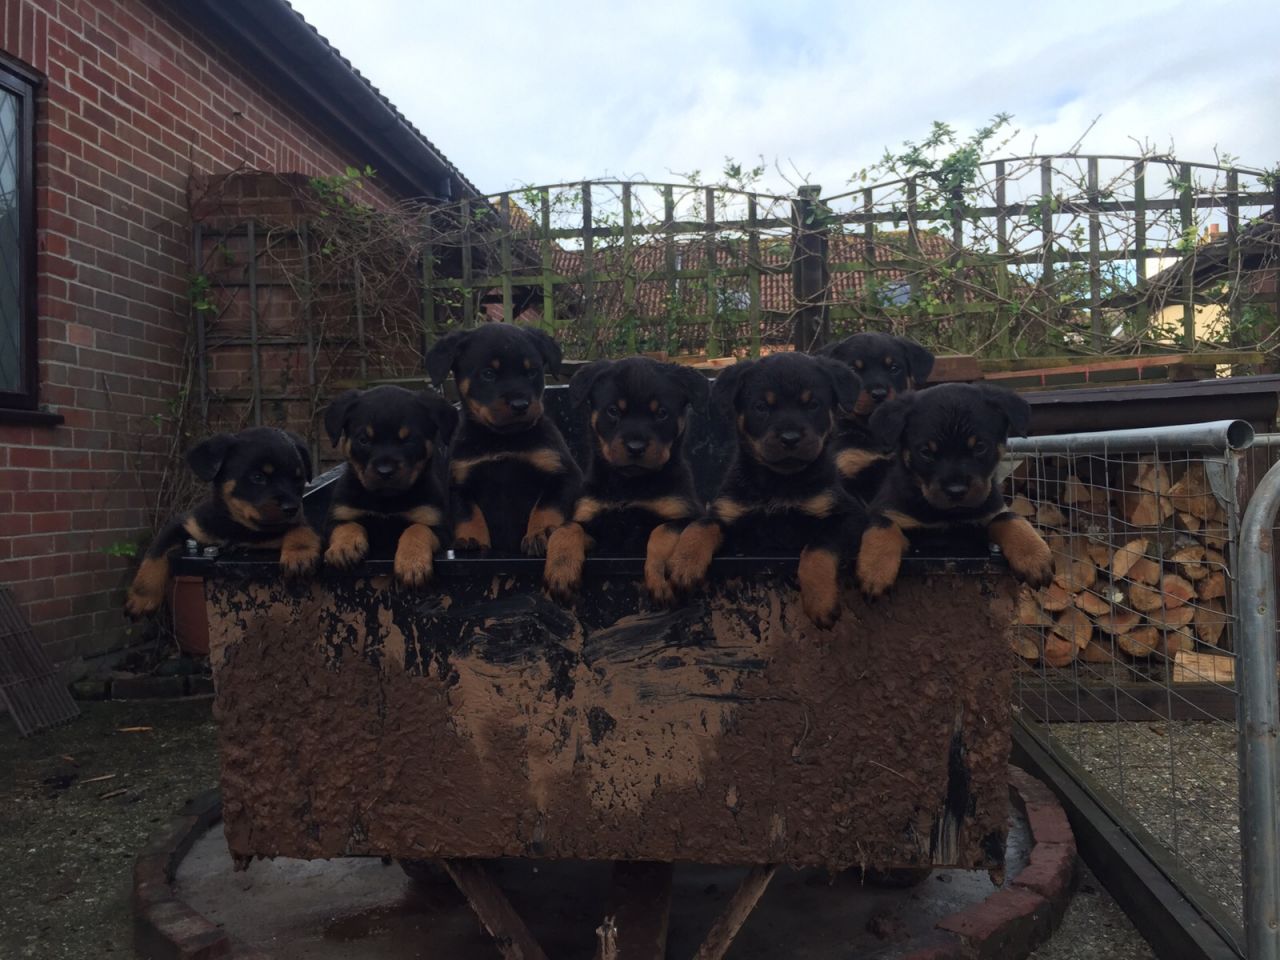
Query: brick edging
1008, 925
1021, 915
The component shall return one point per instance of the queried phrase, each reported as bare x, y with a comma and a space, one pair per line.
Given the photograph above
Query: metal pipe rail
1259, 722
1217, 436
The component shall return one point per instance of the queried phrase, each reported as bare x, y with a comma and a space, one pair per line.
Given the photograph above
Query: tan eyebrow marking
404, 433
495, 363
368, 432
806, 396
770, 397
268, 468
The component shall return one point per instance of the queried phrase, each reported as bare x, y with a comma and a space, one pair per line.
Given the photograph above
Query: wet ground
361, 908
78, 802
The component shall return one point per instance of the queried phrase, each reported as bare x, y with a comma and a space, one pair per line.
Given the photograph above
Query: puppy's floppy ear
724, 391
834, 350
584, 379
548, 349
440, 412
846, 384
335, 415
919, 361
443, 353
693, 383
890, 419
304, 452
1016, 411
207, 456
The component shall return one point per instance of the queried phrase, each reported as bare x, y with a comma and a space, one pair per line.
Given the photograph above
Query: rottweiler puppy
511, 478
257, 476
782, 494
389, 437
949, 440
888, 367
639, 493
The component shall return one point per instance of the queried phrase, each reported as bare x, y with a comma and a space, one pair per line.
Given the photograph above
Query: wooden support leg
635, 925
720, 937
493, 908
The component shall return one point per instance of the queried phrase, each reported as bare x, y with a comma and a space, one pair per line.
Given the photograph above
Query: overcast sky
527, 93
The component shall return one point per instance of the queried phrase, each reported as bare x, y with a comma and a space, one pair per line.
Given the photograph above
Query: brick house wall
133, 103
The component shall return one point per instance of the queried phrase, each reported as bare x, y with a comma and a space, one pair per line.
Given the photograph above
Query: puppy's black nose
878, 394
636, 448
955, 490
519, 404
384, 469
790, 438
289, 509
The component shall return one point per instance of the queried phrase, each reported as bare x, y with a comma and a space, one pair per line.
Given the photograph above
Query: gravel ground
67, 841
1180, 781
68, 844
1094, 928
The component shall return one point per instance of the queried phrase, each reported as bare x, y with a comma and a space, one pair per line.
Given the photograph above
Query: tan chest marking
852, 462
544, 461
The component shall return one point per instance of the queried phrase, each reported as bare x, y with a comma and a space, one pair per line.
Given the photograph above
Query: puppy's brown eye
979, 448
257, 478
812, 404
362, 440
924, 453
660, 414
488, 373
760, 406
612, 411
895, 368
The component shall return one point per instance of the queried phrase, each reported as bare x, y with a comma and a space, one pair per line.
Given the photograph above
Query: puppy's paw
688, 565
534, 543
818, 575
347, 546
146, 593
1029, 556
139, 604
300, 552
658, 586
879, 557
413, 567
566, 553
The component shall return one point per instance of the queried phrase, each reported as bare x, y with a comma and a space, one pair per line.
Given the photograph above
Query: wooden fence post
809, 273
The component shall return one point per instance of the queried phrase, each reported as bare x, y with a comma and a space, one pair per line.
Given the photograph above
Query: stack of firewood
1138, 557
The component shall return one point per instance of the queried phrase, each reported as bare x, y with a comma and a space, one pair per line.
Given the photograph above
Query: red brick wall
134, 103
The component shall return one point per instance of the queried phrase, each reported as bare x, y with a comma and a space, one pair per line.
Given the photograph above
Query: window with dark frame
17, 241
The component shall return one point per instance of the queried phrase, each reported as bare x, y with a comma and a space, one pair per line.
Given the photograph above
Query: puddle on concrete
358, 908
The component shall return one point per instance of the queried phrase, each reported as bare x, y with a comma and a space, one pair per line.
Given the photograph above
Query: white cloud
522, 93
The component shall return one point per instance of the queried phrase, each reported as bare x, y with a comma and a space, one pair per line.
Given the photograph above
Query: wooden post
720, 937
496, 914
504, 252
808, 269
1046, 235
548, 265
255, 357
1095, 264
428, 284
669, 240
629, 310
753, 274
712, 302
468, 295
1140, 238
588, 279
1189, 230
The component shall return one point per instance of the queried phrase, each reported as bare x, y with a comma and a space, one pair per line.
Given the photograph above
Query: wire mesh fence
1129, 658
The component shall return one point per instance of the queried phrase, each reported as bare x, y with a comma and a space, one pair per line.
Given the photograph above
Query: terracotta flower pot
190, 618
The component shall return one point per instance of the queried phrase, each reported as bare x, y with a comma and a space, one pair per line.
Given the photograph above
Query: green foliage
122, 548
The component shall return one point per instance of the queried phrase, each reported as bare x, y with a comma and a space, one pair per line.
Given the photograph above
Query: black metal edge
263, 565
1170, 923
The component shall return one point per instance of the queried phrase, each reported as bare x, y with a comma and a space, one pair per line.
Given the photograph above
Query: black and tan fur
512, 480
257, 477
391, 491
888, 367
948, 441
782, 493
638, 494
